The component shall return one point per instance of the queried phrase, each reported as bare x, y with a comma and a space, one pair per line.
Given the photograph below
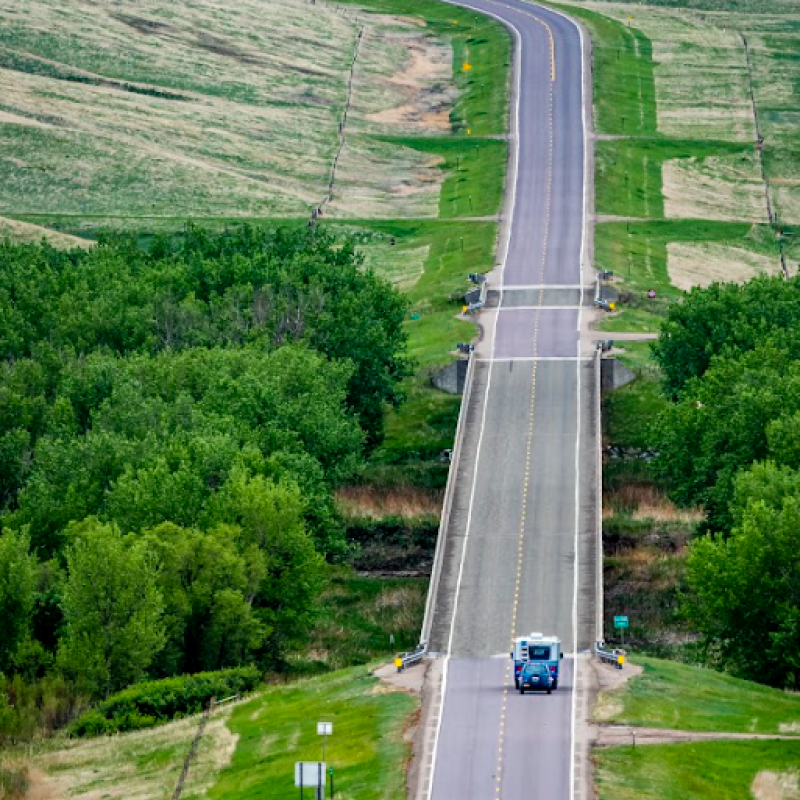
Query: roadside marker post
621, 622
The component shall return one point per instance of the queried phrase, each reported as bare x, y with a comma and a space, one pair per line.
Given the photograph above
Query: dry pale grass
718, 187
249, 124
789, 727
400, 604
407, 501
138, 766
401, 266
700, 74
704, 263
769, 785
647, 502
26, 233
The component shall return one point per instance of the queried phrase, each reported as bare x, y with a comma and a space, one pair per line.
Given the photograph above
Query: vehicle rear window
535, 669
538, 653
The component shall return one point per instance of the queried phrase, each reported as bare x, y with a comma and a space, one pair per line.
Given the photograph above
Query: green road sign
330, 771
620, 622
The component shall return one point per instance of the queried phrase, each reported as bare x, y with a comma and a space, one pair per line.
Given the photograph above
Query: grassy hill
679, 697
673, 695
247, 751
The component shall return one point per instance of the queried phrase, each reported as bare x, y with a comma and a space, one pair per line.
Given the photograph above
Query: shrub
153, 702
14, 783
31, 708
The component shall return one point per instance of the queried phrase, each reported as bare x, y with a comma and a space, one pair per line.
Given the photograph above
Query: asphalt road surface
519, 553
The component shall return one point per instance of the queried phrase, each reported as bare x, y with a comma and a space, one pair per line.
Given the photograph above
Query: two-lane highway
519, 545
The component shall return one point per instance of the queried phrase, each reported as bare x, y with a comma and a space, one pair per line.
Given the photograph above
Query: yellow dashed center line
509, 680
545, 26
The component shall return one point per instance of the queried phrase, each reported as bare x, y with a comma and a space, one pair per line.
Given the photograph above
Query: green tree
270, 517
113, 609
744, 590
722, 318
720, 425
208, 587
18, 569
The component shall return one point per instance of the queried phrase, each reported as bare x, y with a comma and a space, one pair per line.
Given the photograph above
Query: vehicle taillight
552, 669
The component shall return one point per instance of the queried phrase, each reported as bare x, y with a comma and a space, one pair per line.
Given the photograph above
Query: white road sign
309, 774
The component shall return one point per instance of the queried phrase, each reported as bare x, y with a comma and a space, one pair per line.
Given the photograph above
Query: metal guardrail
414, 657
615, 656
598, 290
438, 557
598, 435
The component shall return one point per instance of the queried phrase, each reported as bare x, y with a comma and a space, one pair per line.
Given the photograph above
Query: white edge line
514, 137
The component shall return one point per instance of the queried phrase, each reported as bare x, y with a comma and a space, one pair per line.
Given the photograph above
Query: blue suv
536, 677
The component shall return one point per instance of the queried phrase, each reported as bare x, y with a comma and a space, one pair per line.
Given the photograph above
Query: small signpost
310, 774
324, 729
622, 623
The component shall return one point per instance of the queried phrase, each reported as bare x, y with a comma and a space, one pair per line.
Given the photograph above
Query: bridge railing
613, 656
438, 557
412, 657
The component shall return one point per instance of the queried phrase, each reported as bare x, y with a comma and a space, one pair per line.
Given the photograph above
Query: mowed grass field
676, 155
136, 110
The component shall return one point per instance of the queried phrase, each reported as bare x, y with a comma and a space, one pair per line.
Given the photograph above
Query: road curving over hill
519, 549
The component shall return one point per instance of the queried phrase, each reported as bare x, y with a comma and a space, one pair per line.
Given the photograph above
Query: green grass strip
629, 171
697, 771
624, 86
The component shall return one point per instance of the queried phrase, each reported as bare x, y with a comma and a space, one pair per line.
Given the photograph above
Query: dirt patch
776, 786
39, 788
611, 681
703, 264
420, 94
222, 47
617, 735
410, 680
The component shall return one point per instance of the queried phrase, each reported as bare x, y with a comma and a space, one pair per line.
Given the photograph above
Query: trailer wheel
555, 684
516, 683
522, 690
549, 691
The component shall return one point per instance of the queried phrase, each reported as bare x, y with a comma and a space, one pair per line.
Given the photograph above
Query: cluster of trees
173, 421
730, 442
